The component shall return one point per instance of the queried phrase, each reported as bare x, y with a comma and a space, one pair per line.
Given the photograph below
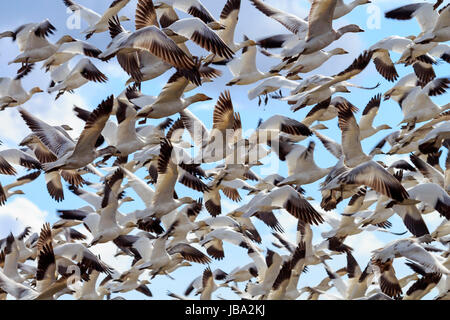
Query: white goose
434, 23
366, 122
69, 50
270, 85
170, 100
318, 30
228, 19
97, 23
72, 155
29, 32
12, 93
39, 49
244, 68
83, 72
302, 169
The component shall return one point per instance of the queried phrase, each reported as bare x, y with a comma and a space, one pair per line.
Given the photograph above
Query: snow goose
169, 172
192, 7
330, 85
270, 85
274, 262
286, 198
310, 62
244, 68
83, 72
97, 23
164, 259
28, 32
432, 142
12, 93
280, 125
5, 191
213, 241
149, 38
342, 182
417, 106
47, 285
197, 31
228, 19
366, 123
108, 229
318, 30
431, 21
326, 110
69, 50
170, 99
422, 286
302, 169
433, 195
72, 155
39, 49
411, 249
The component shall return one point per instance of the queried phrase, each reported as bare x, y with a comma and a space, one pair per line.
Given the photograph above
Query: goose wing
373, 175
52, 138
94, 126
196, 30
289, 21
320, 19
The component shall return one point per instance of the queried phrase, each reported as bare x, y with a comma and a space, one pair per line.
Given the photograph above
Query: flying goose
149, 38
69, 50
83, 72
169, 172
334, 84
192, 7
72, 155
411, 249
12, 93
5, 191
366, 123
244, 69
426, 14
302, 169
313, 35
97, 23
228, 20
434, 139
286, 198
39, 49
170, 99
30, 32
270, 85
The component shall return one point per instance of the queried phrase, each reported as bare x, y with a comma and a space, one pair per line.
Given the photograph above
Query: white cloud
19, 213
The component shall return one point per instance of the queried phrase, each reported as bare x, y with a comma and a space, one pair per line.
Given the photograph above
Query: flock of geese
172, 231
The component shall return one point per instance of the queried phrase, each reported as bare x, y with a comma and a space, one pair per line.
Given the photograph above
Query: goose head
319, 126
110, 150
361, 2
186, 200
341, 88
348, 28
65, 39
36, 90
199, 97
383, 127
124, 18
214, 25
338, 51
67, 127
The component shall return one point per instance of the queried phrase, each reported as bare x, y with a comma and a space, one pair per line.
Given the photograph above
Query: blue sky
253, 24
